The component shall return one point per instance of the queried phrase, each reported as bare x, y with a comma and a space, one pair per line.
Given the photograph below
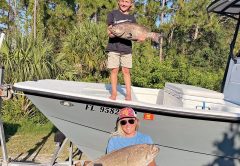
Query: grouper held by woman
135, 155
132, 31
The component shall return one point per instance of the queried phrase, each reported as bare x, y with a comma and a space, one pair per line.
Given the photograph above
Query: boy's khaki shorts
116, 59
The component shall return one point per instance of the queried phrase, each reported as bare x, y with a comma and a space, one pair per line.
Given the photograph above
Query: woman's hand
109, 32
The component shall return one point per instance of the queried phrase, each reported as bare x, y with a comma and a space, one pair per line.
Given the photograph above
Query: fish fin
121, 34
155, 37
93, 164
116, 34
87, 163
129, 35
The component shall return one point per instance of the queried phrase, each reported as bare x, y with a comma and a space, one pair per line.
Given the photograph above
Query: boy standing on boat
120, 50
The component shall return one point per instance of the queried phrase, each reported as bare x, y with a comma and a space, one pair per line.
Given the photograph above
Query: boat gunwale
166, 111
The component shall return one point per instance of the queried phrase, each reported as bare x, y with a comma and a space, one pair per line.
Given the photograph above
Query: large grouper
132, 31
135, 155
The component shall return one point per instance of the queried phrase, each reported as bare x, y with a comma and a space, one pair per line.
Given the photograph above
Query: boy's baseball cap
126, 112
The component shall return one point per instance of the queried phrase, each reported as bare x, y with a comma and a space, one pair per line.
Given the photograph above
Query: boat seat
189, 96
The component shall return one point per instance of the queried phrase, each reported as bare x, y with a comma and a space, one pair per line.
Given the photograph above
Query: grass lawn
35, 143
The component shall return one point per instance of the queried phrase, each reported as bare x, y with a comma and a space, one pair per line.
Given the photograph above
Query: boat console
232, 84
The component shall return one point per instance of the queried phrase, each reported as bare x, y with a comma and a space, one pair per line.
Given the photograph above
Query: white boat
193, 126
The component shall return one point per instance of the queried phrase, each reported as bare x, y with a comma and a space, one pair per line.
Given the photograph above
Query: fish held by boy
132, 31
135, 155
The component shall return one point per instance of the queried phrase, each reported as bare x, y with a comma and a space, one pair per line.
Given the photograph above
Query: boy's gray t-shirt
116, 44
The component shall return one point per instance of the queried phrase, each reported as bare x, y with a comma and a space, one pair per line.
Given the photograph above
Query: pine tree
6, 15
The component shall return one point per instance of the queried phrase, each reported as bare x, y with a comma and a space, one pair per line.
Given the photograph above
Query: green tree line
66, 39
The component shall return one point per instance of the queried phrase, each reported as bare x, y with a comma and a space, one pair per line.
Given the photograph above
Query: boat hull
183, 141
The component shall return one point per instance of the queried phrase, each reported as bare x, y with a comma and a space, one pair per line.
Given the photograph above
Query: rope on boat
7, 92
19, 94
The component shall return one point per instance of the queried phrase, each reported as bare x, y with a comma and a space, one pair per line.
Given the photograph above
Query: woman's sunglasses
124, 122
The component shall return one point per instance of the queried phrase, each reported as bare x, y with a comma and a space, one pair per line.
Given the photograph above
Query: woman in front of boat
126, 133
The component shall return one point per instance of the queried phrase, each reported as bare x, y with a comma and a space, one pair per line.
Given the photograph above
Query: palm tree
25, 60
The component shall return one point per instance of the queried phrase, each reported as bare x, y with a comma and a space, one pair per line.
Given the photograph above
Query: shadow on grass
10, 130
33, 153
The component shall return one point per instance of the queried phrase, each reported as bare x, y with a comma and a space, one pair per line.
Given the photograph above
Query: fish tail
155, 37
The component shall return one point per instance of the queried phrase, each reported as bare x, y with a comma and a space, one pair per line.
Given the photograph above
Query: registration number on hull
101, 109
